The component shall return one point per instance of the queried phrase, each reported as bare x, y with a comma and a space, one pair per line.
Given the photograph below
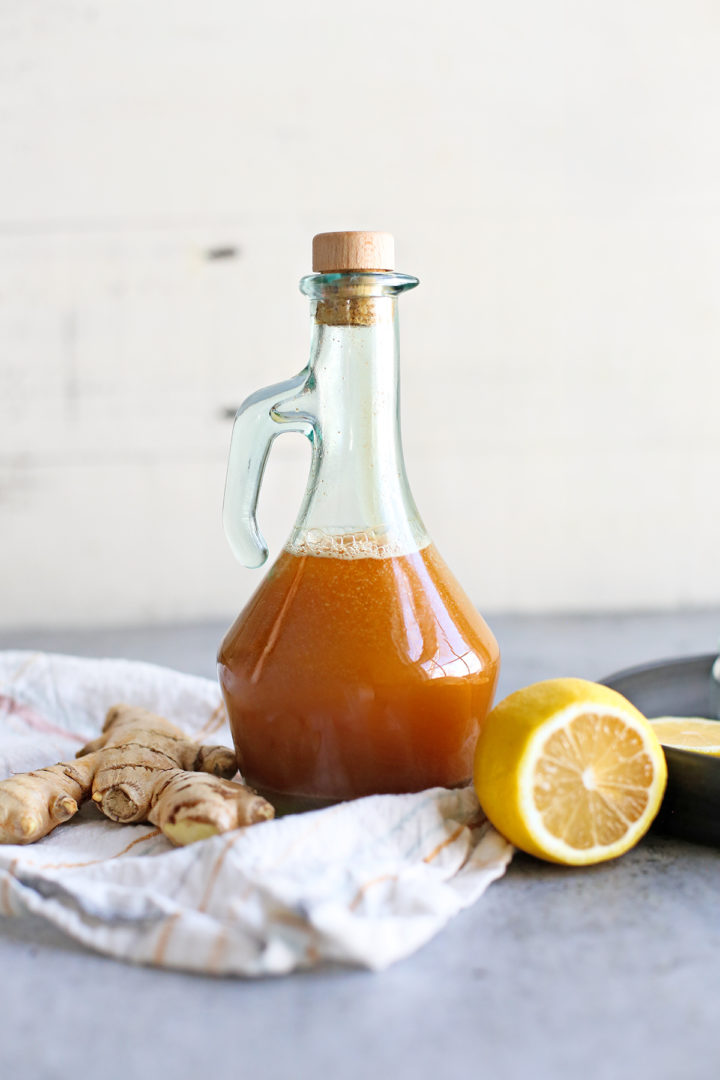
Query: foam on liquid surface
363, 544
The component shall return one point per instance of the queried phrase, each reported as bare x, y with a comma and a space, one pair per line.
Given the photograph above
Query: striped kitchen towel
363, 883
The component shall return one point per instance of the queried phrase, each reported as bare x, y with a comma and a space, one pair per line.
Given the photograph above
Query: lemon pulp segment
591, 780
688, 733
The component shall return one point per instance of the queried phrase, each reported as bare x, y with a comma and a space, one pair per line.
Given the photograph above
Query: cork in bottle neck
352, 253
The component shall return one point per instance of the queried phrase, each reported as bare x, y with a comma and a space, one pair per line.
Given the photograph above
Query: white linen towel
364, 883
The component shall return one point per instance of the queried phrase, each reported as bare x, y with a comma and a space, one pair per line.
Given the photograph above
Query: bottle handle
259, 420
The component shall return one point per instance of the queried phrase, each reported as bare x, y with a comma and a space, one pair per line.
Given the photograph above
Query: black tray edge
701, 659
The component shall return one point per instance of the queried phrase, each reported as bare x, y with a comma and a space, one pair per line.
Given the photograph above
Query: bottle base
294, 804
302, 804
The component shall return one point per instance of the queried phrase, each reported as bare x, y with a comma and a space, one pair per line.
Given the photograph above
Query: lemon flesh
689, 733
569, 771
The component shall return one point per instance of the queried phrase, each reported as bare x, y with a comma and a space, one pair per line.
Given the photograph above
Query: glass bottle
359, 666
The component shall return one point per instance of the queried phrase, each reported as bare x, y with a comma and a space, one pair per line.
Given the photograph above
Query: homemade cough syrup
351, 673
359, 666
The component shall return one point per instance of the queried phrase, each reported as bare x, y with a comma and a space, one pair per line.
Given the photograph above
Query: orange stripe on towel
448, 840
165, 932
9, 874
214, 873
108, 858
215, 721
368, 885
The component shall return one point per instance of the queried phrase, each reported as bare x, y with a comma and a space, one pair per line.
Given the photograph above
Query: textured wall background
551, 172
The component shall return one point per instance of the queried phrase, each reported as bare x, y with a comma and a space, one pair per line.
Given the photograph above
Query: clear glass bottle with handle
359, 666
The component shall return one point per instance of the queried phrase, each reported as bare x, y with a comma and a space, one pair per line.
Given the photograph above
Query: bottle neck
358, 502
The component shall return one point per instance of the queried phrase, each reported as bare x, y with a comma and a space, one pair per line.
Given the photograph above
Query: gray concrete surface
607, 973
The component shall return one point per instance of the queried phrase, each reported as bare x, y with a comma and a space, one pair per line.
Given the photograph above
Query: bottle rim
359, 284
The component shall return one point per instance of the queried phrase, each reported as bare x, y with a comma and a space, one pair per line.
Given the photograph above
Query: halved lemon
688, 733
569, 771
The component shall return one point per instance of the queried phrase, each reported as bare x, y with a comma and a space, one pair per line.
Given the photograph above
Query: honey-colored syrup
352, 676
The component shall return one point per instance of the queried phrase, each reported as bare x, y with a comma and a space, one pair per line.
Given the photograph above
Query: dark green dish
691, 807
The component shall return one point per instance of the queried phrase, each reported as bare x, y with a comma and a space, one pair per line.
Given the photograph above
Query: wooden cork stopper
360, 311
339, 252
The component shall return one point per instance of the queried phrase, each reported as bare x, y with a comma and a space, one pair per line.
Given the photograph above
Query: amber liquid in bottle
359, 666
351, 676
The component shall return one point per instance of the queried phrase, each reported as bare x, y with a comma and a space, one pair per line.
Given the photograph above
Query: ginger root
33, 803
141, 768
193, 806
135, 752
